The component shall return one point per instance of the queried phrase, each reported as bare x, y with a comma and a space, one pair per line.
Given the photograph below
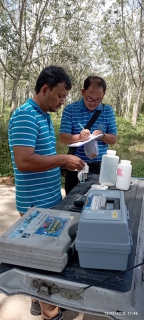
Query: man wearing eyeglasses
79, 113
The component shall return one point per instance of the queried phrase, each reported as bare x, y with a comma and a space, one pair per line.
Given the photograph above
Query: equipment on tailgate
41, 239
103, 239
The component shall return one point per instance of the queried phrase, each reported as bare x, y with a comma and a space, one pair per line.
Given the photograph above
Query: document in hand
82, 143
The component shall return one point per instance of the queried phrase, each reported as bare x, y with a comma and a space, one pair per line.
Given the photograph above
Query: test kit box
103, 238
41, 239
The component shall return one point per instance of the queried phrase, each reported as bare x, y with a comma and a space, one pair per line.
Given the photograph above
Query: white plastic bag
91, 149
82, 174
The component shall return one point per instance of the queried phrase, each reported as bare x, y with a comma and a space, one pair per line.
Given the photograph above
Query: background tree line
104, 38
85, 37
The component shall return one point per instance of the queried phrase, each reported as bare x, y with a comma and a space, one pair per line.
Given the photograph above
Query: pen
81, 125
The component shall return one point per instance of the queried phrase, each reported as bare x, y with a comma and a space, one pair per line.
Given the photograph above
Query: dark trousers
71, 179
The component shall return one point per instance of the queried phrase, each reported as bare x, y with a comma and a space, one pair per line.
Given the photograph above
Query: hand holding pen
84, 134
81, 126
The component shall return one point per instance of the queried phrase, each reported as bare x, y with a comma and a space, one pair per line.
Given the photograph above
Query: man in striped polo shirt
78, 114
36, 165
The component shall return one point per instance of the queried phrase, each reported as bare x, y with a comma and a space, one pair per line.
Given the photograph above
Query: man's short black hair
94, 81
53, 75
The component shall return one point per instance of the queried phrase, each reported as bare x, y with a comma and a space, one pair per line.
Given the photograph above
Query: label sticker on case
114, 214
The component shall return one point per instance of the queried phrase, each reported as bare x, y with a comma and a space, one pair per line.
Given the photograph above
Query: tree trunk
14, 95
137, 105
3, 92
62, 109
27, 90
129, 97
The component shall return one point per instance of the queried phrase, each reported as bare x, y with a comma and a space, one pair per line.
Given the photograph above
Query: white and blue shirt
31, 127
76, 113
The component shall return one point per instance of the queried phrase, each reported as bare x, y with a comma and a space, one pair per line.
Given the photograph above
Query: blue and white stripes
29, 126
76, 113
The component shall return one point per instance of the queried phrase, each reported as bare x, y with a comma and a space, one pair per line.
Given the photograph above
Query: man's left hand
96, 132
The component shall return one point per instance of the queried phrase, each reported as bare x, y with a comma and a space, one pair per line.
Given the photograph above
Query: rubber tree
19, 30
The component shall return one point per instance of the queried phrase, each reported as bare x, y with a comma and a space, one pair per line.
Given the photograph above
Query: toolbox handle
130, 235
71, 249
127, 212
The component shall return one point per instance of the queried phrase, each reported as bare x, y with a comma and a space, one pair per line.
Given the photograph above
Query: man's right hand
84, 135
74, 162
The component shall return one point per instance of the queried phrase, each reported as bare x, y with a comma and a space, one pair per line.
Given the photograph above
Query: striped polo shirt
76, 113
31, 127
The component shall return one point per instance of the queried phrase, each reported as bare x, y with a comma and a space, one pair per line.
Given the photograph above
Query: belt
94, 164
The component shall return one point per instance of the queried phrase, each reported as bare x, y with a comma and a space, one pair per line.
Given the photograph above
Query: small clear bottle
124, 175
108, 169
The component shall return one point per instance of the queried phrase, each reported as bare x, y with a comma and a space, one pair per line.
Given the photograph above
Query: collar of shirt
36, 106
83, 107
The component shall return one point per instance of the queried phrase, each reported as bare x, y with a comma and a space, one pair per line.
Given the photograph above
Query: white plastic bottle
124, 175
108, 169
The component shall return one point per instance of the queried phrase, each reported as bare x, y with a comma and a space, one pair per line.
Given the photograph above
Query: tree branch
7, 71
9, 14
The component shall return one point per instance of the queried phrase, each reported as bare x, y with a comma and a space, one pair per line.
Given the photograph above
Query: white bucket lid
126, 161
111, 152
98, 187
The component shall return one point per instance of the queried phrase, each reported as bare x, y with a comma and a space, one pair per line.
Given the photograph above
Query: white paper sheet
81, 143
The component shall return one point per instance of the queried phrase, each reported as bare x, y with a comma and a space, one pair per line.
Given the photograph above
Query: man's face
53, 99
92, 97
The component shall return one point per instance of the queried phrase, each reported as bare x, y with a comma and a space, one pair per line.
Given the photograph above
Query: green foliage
142, 108
5, 116
60, 147
5, 160
130, 145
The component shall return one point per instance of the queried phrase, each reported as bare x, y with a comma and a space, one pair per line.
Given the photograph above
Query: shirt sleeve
23, 129
66, 121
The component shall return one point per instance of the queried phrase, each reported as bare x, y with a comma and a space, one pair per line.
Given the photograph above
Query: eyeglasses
88, 99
